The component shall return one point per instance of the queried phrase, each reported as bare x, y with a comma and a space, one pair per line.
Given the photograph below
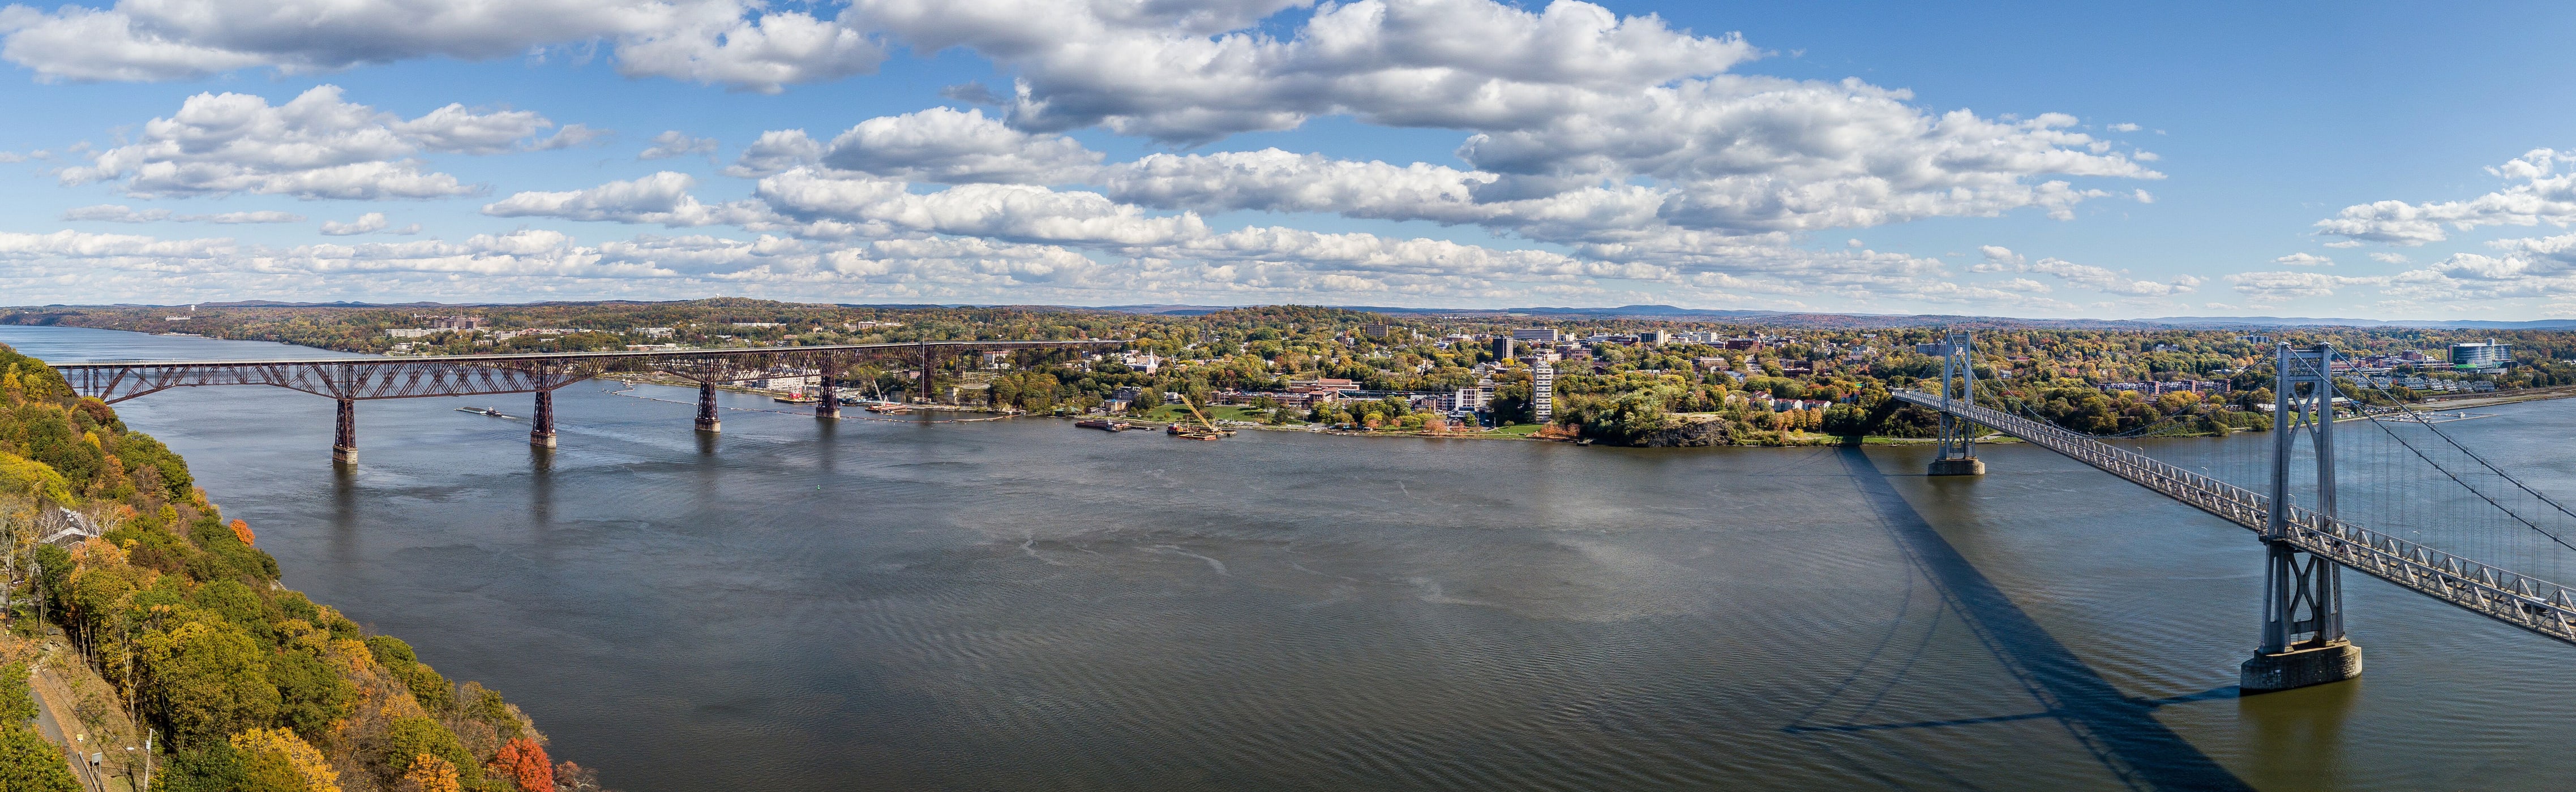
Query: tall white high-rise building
1542, 392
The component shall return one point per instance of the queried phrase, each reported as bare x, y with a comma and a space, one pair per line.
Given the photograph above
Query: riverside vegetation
1669, 394
251, 686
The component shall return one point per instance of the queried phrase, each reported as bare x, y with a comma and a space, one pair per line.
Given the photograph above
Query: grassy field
1222, 412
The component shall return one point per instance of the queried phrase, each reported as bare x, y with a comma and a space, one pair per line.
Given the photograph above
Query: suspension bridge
354, 379
2306, 539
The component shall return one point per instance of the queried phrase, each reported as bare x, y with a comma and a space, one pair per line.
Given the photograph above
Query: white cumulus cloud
369, 223
676, 144
949, 147
315, 146
740, 44
2539, 194
117, 213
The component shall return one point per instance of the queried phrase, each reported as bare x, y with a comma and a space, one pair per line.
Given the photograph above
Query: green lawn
1519, 430
1222, 412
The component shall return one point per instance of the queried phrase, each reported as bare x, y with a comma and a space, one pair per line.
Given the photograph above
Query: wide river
800, 605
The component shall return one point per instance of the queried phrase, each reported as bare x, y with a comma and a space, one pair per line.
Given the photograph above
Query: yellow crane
1209, 432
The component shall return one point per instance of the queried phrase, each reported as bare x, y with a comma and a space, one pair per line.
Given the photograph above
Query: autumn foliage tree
429, 773
523, 761
277, 759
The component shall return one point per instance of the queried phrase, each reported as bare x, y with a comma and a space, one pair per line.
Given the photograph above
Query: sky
2359, 160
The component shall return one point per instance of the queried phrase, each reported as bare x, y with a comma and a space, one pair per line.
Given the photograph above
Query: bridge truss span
357, 378
350, 380
2487, 590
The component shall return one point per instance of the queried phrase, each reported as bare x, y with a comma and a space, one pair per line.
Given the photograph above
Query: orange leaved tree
523, 760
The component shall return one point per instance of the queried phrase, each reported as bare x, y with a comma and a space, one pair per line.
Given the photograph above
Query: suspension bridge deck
2513, 598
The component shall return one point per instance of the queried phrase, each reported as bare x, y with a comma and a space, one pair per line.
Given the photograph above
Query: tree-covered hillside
250, 686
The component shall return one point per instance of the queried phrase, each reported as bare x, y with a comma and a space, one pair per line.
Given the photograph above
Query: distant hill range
1628, 312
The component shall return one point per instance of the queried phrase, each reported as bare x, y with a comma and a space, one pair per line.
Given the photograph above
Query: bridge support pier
1958, 450
2303, 637
2300, 667
344, 434
830, 406
929, 395
541, 433
707, 407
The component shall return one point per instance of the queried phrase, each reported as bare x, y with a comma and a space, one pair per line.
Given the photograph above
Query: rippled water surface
1024, 605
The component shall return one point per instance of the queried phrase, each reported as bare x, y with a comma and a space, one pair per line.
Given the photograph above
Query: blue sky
2381, 161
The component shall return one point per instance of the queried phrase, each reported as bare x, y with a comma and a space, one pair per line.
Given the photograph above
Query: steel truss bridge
351, 380
2303, 638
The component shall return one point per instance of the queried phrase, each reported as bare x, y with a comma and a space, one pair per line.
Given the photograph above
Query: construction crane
1207, 429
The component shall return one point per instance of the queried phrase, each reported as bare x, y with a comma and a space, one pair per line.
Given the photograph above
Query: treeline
253, 687
1615, 392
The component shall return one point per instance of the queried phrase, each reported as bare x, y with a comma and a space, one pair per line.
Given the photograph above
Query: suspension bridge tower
1958, 451
2303, 638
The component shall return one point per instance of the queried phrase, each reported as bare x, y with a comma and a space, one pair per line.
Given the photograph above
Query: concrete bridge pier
2299, 666
541, 433
1959, 466
830, 406
707, 407
344, 434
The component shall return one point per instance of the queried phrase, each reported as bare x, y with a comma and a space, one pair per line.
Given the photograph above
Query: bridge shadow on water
2121, 732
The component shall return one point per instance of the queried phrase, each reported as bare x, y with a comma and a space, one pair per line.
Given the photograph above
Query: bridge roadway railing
2504, 595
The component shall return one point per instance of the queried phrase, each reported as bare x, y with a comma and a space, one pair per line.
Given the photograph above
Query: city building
1653, 337
1467, 399
1540, 335
1543, 392
2488, 356
789, 380
1503, 346
1375, 330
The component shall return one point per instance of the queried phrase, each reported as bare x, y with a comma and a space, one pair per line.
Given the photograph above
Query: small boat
795, 398
1103, 424
482, 411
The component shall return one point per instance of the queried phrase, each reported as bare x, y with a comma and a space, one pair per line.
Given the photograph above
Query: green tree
206, 680
29, 764
408, 738
433, 691
214, 767
310, 695
17, 701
